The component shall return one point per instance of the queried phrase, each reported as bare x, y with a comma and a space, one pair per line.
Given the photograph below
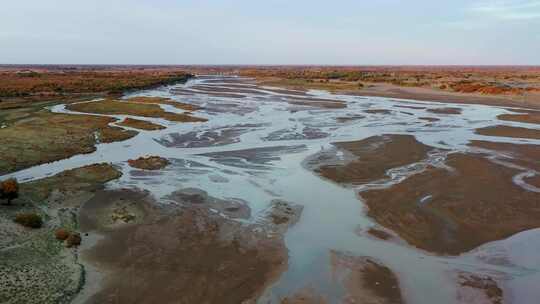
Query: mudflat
484, 205
366, 280
370, 158
526, 116
185, 254
508, 131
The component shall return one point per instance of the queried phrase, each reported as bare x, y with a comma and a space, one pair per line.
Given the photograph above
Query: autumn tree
9, 190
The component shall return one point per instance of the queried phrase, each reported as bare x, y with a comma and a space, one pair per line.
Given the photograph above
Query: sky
338, 32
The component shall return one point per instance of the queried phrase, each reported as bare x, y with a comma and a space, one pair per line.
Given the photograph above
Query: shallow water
263, 141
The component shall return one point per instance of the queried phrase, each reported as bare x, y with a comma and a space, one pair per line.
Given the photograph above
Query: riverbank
527, 100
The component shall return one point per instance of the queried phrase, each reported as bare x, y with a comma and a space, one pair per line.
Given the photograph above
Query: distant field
40, 82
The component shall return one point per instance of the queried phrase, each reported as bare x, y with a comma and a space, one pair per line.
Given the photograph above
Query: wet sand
526, 116
447, 110
366, 280
525, 155
371, 158
307, 296
184, 254
479, 289
378, 111
484, 205
429, 119
534, 180
508, 131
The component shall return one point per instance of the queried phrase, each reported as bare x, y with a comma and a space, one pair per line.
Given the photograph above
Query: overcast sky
270, 32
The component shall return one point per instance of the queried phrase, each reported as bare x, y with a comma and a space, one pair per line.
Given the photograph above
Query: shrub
62, 234
73, 240
9, 189
30, 220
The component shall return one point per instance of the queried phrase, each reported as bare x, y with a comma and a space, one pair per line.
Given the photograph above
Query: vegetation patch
149, 163
140, 124
117, 107
61, 234
35, 267
30, 220
9, 190
73, 240
45, 137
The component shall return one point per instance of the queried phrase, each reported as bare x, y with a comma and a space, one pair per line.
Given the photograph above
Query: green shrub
30, 220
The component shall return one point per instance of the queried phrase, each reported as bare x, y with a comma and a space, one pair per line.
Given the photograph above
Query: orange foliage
9, 189
61, 234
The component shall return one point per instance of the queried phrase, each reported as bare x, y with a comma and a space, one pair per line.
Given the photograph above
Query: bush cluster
73, 240
9, 190
30, 220
61, 234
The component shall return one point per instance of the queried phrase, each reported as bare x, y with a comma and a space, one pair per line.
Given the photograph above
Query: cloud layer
270, 32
